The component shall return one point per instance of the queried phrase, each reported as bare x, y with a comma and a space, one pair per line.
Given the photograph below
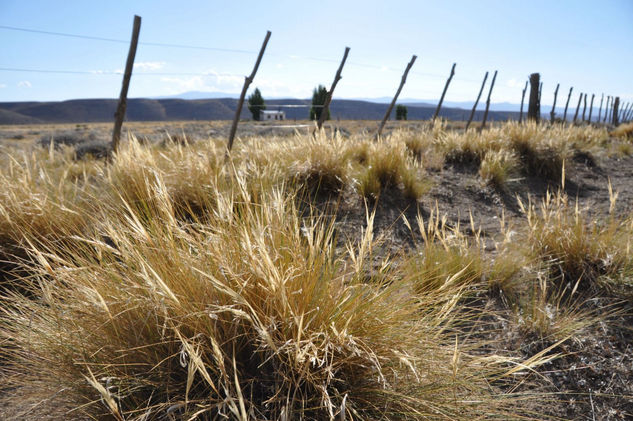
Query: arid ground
590, 372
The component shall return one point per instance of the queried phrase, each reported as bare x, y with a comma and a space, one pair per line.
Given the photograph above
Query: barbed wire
114, 72
207, 48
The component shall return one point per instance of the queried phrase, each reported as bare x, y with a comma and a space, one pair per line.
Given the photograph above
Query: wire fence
460, 83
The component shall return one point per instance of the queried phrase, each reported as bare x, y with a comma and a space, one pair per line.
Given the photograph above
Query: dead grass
251, 316
172, 283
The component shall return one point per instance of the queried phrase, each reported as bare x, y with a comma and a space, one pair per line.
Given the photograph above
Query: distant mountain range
171, 109
495, 106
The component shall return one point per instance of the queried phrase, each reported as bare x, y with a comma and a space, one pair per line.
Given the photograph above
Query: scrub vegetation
318, 277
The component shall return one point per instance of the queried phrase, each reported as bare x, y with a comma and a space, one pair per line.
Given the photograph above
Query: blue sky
585, 44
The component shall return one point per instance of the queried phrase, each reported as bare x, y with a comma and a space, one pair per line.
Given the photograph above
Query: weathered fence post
600, 109
584, 107
247, 81
577, 108
492, 85
328, 99
553, 113
472, 113
522, 101
533, 110
567, 104
119, 115
606, 109
439, 104
616, 106
622, 109
540, 89
395, 98
591, 107
627, 116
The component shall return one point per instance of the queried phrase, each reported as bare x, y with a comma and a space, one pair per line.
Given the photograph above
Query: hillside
102, 110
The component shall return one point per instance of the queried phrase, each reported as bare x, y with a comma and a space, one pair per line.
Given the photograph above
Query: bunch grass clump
322, 165
585, 254
447, 257
250, 315
499, 168
388, 167
180, 282
43, 195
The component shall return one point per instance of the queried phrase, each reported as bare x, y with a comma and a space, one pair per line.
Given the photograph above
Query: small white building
272, 115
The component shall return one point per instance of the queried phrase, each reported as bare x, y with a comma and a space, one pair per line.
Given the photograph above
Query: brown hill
140, 109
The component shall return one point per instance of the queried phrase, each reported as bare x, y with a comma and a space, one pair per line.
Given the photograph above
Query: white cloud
24, 84
211, 81
149, 65
512, 83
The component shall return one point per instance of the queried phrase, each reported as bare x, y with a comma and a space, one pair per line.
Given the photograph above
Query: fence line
621, 110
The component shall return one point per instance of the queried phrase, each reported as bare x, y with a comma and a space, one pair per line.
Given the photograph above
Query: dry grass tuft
175, 284
585, 254
254, 316
623, 130
389, 167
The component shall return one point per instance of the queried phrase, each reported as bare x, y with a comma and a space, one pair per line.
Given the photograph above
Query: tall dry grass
172, 283
252, 314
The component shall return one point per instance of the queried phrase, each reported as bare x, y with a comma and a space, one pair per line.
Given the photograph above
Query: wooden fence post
533, 110
439, 104
540, 89
616, 107
567, 104
472, 113
577, 108
119, 115
600, 109
591, 107
522, 101
328, 99
584, 107
553, 113
492, 85
622, 110
247, 81
627, 116
395, 98
606, 109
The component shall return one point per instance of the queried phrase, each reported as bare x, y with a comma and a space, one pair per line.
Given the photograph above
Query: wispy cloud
2, 85
514, 83
24, 84
211, 81
149, 65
